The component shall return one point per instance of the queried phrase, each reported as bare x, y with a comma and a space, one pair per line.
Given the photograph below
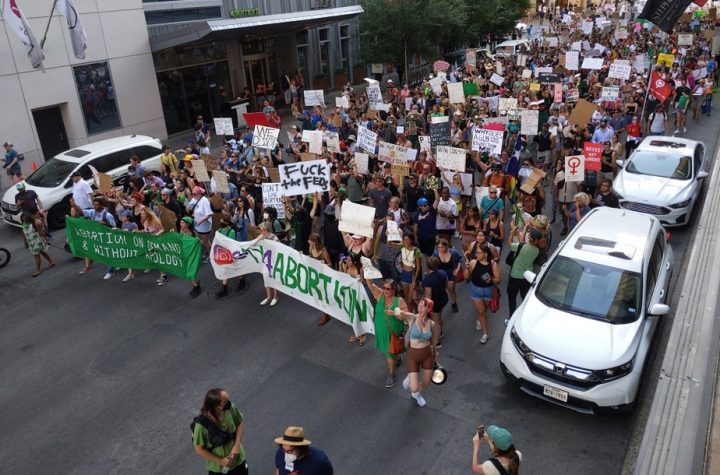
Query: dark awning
214, 30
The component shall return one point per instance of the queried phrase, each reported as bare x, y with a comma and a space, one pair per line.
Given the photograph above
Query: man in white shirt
81, 192
447, 213
202, 218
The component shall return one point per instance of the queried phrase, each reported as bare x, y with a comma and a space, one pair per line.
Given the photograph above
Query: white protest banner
369, 271
302, 277
699, 73
621, 34
507, 103
497, 79
366, 139
576, 46
396, 154
265, 137
600, 20
436, 84
619, 71
374, 94
314, 97
425, 143
272, 197
685, 39
592, 63
451, 158
575, 168
599, 48
221, 181
529, 120
489, 141
342, 101
480, 193
587, 27
526, 73
408, 103
332, 141
356, 219
499, 67
314, 139
201, 173
393, 232
224, 126
382, 107
465, 178
521, 60
610, 93
639, 63
362, 162
552, 41
301, 178
572, 60
456, 93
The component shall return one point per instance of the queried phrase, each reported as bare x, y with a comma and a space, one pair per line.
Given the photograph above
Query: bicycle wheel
4, 257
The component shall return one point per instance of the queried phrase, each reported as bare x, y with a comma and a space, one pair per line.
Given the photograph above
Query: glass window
324, 51
345, 53
665, 165
591, 290
302, 54
345, 31
301, 38
97, 97
323, 34
51, 173
182, 15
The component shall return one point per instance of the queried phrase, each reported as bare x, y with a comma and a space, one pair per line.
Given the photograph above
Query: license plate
555, 393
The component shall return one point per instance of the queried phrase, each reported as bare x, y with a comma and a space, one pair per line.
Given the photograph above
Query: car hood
575, 340
9, 196
652, 189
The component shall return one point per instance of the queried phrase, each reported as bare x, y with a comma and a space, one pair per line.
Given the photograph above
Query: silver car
663, 177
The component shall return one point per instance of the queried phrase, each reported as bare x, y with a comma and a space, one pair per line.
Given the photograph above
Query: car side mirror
702, 175
620, 163
659, 309
529, 276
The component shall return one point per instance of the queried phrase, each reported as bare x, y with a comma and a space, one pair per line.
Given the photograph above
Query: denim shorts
480, 293
406, 277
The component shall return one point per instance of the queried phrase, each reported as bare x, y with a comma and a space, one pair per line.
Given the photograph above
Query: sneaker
390, 380
206, 259
684, 129
484, 338
84, 270
676, 131
129, 277
265, 302
419, 399
456, 235
108, 276
222, 292
455, 308
478, 327
273, 302
406, 382
159, 279
196, 290
146, 271
162, 280
506, 321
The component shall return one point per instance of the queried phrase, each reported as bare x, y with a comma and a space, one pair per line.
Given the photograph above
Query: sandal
51, 266
353, 339
37, 274
362, 340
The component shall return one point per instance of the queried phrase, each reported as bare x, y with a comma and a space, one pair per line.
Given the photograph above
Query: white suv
581, 336
52, 181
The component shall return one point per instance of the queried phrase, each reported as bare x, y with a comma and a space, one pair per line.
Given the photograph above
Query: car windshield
52, 173
665, 165
591, 290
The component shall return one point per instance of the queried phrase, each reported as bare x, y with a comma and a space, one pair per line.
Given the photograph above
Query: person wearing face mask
296, 455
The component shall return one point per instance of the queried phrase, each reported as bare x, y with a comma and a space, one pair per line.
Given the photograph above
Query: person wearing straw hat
296, 456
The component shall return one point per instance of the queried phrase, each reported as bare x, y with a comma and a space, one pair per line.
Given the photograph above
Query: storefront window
301, 39
186, 56
97, 97
324, 51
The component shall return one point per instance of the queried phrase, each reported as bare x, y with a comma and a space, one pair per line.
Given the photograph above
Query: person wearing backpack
217, 434
505, 458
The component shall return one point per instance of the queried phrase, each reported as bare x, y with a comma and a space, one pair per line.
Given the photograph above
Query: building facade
112, 92
203, 47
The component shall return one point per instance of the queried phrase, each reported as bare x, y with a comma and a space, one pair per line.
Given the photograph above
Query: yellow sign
666, 58
534, 86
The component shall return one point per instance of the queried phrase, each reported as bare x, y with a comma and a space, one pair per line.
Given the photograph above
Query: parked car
663, 177
511, 48
457, 57
582, 335
52, 183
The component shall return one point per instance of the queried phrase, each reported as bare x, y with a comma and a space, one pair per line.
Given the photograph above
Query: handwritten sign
619, 71
366, 139
265, 137
314, 138
224, 126
610, 93
314, 97
425, 143
507, 103
575, 168
362, 162
369, 271
221, 181
451, 158
592, 63
529, 120
304, 177
356, 219
666, 59
456, 93
168, 219
497, 79
557, 93
572, 60
201, 173
273, 197
521, 60
399, 170
374, 94
392, 153
332, 141
342, 101
489, 141
440, 132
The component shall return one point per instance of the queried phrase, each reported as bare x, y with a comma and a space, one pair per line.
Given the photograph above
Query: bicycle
4, 257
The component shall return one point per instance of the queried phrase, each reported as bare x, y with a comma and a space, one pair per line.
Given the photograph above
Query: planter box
358, 75
320, 84
340, 80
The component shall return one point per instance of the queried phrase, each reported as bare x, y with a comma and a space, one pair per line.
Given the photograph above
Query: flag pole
647, 92
47, 27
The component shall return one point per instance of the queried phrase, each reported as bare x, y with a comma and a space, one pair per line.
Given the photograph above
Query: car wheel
56, 215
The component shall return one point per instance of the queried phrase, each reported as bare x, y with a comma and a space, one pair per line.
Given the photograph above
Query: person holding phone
505, 458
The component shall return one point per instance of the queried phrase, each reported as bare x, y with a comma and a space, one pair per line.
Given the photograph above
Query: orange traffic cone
35, 167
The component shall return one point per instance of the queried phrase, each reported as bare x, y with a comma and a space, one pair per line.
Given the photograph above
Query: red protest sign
593, 156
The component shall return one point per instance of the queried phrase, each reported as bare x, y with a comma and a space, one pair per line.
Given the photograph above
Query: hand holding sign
575, 168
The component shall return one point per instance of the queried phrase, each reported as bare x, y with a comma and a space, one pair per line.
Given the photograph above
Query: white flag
15, 20
78, 37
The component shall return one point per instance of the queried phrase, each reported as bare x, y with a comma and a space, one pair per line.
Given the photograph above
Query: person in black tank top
483, 274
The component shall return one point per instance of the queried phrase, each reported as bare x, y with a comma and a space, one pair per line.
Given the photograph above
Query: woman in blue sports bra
423, 338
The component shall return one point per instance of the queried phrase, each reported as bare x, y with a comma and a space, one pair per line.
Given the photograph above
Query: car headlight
519, 344
682, 204
611, 374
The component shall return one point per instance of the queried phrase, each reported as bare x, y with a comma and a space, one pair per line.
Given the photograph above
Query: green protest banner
172, 252
470, 89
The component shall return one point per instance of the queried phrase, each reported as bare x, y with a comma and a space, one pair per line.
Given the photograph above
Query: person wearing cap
11, 163
81, 192
296, 455
27, 200
505, 458
202, 213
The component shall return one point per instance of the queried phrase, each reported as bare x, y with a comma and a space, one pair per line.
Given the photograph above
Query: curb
676, 433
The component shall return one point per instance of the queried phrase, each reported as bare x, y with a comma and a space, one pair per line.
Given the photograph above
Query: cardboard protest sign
619, 71
497, 79
369, 271
314, 138
302, 277
332, 141
211, 162
392, 153
274, 174
456, 93
314, 97
451, 158
465, 178
221, 181
529, 120
304, 177
582, 113
265, 137
610, 93
361, 162
366, 139
168, 219
507, 103
592, 63
272, 197
485, 140
356, 219
374, 94
224, 126
593, 156
425, 143
575, 168
440, 132
532, 181
104, 182
201, 173
399, 170
571, 60
342, 101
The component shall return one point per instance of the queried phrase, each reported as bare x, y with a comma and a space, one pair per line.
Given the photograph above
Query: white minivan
52, 183
511, 48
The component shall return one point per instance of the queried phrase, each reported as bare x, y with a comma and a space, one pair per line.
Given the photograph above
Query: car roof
664, 144
84, 152
511, 43
610, 236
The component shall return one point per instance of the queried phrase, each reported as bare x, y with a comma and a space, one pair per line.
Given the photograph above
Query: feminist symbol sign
575, 168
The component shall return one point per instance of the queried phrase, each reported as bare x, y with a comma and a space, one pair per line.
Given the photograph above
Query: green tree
493, 16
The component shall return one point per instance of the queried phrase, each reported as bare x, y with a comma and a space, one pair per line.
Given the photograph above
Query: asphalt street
105, 377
